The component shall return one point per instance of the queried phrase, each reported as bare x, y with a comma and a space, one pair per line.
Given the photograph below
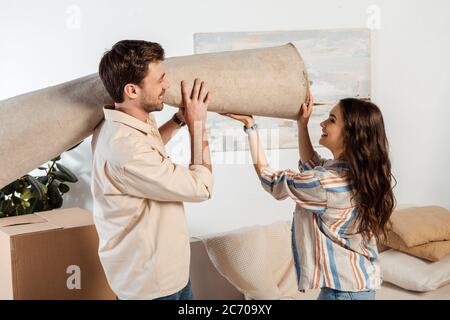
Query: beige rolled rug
37, 126
268, 82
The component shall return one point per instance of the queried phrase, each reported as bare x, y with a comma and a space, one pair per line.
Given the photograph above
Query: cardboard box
51, 255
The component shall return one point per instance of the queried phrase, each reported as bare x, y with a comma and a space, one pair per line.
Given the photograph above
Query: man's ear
130, 91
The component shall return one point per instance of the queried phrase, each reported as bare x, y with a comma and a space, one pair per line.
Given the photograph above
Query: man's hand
195, 102
195, 105
248, 121
305, 111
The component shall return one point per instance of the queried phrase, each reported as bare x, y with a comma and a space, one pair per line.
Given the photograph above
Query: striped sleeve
315, 161
304, 188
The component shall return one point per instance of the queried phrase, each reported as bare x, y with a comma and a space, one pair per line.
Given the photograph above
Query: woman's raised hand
305, 110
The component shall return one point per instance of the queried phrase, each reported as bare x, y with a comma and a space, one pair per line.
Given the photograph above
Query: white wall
42, 43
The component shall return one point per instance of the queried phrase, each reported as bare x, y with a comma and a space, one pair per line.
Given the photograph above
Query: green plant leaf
36, 205
26, 195
8, 207
61, 176
37, 186
9, 188
15, 200
64, 188
46, 206
55, 183
55, 199
18, 185
43, 179
20, 210
69, 173
25, 204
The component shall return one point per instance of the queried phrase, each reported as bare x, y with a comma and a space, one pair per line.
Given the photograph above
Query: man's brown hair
127, 62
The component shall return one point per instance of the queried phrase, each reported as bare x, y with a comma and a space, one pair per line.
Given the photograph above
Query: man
138, 192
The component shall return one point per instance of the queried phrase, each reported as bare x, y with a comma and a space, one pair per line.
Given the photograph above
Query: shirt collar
117, 116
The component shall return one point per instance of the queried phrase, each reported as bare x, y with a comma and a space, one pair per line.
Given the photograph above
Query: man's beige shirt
138, 207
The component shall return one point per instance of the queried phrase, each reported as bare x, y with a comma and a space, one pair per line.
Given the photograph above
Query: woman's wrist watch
178, 121
253, 127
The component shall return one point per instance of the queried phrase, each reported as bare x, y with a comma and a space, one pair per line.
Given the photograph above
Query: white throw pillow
413, 273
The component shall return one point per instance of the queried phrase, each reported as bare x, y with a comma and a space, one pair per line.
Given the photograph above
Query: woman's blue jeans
331, 294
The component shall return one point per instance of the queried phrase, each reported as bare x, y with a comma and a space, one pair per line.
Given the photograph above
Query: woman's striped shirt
328, 251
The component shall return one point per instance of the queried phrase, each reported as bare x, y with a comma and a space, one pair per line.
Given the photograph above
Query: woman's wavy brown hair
367, 152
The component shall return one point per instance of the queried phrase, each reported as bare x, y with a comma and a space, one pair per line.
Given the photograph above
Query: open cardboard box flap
44, 221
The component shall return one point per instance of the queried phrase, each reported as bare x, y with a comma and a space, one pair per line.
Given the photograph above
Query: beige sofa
209, 284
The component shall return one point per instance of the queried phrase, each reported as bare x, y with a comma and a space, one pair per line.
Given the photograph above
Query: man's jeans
183, 294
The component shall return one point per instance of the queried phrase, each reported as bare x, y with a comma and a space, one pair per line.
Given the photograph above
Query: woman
342, 205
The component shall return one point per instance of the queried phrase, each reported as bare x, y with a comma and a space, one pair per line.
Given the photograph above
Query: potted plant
30, 194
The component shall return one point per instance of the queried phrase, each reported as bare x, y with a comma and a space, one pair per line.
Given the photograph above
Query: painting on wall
338, 64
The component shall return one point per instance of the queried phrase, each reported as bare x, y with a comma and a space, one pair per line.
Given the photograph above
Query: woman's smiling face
333, 132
